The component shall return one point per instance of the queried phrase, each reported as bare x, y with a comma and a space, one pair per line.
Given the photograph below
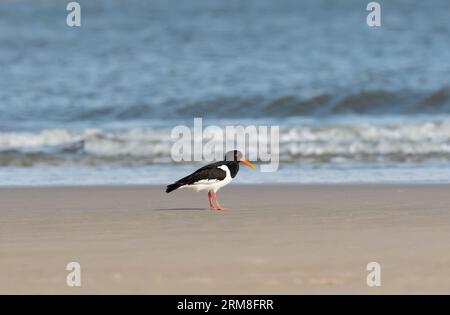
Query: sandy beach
285, 239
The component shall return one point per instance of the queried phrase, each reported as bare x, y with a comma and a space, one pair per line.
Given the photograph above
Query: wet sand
284, 239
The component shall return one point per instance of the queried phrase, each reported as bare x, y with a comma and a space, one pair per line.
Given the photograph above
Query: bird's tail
172, 187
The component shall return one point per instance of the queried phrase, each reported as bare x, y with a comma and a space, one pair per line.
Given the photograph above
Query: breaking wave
403, 141
371, 102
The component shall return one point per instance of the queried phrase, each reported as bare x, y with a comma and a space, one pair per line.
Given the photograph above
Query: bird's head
237, 156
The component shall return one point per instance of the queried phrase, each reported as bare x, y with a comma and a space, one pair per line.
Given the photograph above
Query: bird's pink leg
217, 201
211, 206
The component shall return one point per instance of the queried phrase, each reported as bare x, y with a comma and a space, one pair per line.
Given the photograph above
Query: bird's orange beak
247, 163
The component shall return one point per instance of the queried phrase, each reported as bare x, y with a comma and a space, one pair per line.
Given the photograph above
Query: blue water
163, 174
96, 104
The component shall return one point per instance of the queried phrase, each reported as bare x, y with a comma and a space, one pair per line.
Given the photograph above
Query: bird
212, 177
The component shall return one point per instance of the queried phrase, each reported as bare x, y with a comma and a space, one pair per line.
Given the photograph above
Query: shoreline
245, 184
273, 239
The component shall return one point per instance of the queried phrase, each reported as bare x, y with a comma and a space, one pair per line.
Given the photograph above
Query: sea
96, 104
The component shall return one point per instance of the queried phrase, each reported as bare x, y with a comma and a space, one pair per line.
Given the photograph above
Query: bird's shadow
180, 209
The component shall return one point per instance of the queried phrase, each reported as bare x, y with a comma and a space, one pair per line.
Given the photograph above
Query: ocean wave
368, 102
310, 143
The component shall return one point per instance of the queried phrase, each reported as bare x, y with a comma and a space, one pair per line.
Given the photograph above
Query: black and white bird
212, 177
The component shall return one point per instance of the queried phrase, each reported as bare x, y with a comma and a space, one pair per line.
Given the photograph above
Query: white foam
318, 143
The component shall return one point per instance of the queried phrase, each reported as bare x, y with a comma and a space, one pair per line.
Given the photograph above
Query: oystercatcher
212, 177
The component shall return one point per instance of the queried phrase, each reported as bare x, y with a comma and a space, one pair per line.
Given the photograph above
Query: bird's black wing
211, 166
208, 172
